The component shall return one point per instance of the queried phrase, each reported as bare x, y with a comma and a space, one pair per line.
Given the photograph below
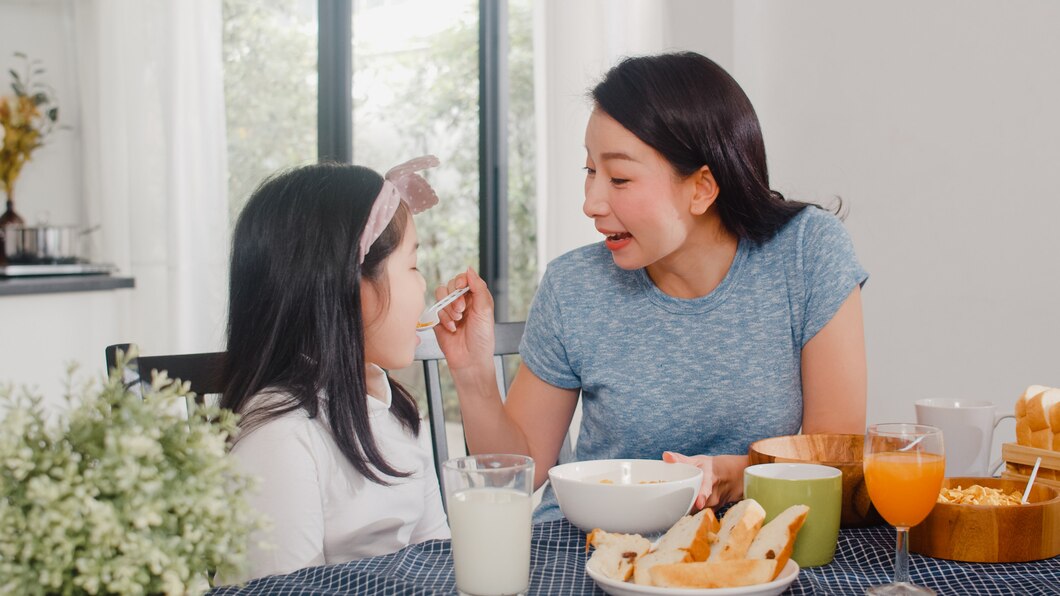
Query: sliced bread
1039, 408
716, 574
688, 540
692, 533
738, 529
1029, 392
616, 554
776, 539
644, 565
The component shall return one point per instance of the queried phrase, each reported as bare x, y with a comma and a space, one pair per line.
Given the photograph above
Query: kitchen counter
20, 286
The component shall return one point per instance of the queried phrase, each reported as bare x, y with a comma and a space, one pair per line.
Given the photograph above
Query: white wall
44, 333
49, 185
574, 45
939, 125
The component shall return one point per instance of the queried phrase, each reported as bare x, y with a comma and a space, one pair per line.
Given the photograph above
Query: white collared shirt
322, 510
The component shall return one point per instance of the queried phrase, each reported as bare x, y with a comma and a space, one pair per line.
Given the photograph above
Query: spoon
913, 444
429, 318
1034, 472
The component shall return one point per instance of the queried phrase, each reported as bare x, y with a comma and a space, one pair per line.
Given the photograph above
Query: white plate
617, 588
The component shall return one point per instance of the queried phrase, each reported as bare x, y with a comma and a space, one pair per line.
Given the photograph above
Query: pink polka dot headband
401, 183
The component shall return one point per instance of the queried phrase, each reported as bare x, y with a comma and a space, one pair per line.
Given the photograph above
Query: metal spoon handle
444, 302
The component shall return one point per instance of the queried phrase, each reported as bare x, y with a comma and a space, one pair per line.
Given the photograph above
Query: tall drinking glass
904, 467
489, 504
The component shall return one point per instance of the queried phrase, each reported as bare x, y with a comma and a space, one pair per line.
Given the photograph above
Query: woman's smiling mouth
617, 241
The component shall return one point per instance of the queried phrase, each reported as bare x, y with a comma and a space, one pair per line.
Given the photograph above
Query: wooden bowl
839, 451
992, 533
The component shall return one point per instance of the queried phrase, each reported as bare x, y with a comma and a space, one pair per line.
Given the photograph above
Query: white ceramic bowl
634, 496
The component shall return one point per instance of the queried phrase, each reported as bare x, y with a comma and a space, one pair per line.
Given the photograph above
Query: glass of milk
489, 505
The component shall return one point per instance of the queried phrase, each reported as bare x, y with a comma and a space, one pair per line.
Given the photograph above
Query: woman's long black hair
294, 308
691, 111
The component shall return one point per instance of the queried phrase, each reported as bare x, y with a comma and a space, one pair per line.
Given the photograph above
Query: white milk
491, 540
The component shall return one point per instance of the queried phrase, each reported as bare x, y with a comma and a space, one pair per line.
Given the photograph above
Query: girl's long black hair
691, 111
294, 309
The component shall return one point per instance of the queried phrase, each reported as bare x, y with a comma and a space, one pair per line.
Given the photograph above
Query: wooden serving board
1019, 461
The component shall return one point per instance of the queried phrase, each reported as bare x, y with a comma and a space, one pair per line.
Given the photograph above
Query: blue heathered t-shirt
706, 376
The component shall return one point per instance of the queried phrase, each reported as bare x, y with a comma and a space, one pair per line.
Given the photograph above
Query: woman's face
390, 317
633, 195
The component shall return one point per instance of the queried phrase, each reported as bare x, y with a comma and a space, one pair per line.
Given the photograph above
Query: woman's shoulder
809, 224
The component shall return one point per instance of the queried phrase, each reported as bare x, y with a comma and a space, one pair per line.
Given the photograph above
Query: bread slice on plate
688, 540
738, 529
616, 554
692, 533
713, 574
776, 539
642, 568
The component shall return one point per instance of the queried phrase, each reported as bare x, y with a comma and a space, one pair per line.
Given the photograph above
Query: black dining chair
203, 372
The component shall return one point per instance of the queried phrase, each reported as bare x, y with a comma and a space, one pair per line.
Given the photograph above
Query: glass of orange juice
904, 467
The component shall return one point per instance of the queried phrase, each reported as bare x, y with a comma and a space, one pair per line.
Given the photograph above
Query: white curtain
155, 161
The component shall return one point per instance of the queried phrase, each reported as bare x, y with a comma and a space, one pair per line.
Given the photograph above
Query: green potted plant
121, 495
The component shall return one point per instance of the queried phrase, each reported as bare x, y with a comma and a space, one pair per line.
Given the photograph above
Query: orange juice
904, 486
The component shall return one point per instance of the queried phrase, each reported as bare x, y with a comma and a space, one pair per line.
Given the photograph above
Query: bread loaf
1039, 409
1038, 418
1029, 392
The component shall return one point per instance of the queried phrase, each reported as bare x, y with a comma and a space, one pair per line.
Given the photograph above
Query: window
270, 80
415, 90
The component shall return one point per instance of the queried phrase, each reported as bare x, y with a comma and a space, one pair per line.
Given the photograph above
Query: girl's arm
834, 376
433, 523
536, 416
280, 454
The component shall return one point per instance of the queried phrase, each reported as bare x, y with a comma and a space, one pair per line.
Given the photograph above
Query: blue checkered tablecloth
863, 558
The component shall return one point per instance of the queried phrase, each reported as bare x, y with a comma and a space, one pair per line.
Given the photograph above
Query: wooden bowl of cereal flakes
981, 520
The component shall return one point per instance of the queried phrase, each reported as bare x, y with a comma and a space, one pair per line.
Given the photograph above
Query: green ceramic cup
779, 486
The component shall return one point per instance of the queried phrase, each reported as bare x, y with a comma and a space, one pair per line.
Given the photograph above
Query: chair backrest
204, 372
507, 337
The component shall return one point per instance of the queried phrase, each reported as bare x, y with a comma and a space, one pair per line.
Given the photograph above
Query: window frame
335, 123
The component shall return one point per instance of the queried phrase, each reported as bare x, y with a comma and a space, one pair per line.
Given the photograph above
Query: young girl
325, 295
713, 313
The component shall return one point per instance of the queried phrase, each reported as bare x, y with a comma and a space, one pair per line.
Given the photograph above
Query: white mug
968, 431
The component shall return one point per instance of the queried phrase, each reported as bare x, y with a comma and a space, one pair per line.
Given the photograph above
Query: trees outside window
415, 91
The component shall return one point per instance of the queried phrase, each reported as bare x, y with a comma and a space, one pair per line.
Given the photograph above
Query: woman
714, 313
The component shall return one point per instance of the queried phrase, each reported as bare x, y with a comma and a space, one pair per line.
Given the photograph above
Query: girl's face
633, 195
390, 312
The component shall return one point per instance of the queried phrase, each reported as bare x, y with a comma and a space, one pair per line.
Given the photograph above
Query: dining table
864, 557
